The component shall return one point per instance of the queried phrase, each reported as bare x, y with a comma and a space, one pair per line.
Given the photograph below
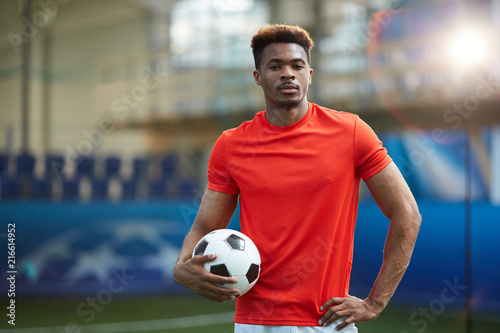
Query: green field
194, 314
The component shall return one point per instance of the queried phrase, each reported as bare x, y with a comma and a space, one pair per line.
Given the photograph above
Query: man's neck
285, 116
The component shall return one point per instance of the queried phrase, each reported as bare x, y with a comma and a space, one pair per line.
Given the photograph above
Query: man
296, 169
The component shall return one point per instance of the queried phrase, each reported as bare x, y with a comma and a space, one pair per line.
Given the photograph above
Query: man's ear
310, 75
256, 76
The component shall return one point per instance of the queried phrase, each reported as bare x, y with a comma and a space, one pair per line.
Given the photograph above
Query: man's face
284, 74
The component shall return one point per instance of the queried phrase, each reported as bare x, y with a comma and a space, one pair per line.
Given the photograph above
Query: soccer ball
237, 256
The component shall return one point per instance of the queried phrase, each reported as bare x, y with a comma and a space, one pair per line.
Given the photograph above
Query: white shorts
243, 328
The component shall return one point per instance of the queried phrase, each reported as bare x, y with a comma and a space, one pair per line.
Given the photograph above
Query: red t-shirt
299, 188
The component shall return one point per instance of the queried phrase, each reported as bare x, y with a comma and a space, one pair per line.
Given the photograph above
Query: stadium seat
25, 164
129, 189
85, 167
40, 188
100, 189
71, 189
113, 164
186, 188
140, 168
11, 188
4, 164
54, 166
168, 166
157, 189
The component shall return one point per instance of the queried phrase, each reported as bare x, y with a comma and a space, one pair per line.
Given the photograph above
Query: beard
289, 103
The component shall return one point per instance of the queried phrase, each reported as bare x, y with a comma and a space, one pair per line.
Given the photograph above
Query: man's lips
288, 88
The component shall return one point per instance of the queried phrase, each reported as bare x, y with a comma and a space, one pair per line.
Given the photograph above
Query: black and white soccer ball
237, 256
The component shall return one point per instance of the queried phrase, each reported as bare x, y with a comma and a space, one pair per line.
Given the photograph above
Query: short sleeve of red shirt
369, 153
219, 177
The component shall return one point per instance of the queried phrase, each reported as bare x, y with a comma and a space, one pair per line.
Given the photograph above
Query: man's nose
287, 74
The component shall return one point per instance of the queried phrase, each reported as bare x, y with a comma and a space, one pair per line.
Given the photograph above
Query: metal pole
46, 103
463, 14
25, 77
317, 33
468, 225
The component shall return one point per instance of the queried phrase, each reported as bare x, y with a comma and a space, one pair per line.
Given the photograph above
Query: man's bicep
390, 191
216, 211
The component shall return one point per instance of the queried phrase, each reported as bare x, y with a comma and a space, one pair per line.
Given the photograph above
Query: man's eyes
276, 67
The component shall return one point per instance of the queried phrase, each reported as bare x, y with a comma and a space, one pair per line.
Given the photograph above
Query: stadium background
109, 110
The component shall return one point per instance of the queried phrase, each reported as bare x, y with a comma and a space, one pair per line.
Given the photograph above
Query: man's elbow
414, 220
416, 217
409, 218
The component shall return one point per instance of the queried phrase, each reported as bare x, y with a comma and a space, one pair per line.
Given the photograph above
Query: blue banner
70, 248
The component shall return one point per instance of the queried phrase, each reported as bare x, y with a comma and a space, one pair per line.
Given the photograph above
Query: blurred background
109, 110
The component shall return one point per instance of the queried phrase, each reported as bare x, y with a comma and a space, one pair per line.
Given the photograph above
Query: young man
296, 168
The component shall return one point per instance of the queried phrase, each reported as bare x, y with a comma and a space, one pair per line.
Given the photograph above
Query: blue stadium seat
140, 168
71, 188
168, 166
113, 164
40, 188
11, 188
100, 189
25, 164
4, 164
157, 189
85, 167
186, 188
54, 166
129, 189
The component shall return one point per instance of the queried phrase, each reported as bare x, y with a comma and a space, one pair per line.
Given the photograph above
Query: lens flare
468, 47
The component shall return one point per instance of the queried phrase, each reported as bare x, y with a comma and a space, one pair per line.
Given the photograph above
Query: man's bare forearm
190, 241
398, 249
216, 210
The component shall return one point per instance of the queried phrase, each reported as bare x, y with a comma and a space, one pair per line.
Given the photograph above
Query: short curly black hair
280, 33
